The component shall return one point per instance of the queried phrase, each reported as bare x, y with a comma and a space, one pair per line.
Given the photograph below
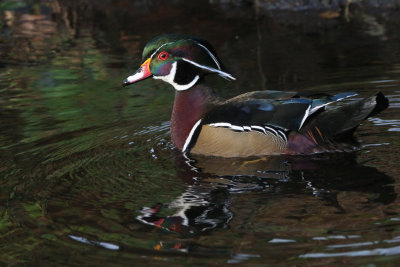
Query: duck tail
339, 123
381, 104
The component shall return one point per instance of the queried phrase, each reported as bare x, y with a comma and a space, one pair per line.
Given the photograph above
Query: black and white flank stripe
265, 129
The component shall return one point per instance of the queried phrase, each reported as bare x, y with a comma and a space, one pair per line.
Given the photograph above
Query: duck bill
142, 73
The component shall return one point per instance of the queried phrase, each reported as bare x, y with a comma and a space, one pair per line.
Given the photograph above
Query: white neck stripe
221, 73
155, 52
211, 54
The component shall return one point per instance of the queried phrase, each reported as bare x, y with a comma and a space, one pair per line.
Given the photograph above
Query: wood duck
252, 124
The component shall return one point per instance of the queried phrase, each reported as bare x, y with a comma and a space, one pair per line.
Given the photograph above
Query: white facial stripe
211, 54
221, 73
202, 46
155, 52
190, 136
171, 76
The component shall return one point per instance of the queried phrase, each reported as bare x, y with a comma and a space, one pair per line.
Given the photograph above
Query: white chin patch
171, 76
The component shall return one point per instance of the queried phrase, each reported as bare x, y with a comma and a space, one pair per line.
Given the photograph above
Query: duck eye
163, 56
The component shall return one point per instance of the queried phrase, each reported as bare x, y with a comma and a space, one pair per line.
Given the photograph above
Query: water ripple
280, 240
241, 257
394, 124
352, 245
105, 245
389, 251
394, 100
358, 253
154, 129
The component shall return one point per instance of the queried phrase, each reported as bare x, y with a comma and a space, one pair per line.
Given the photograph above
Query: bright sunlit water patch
105, 245
393, 124
241, 258
280, 240
391, 251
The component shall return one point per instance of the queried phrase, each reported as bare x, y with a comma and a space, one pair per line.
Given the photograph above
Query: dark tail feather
341, 122
381, 104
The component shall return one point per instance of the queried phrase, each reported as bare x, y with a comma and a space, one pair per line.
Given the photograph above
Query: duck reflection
198, 209
212, 182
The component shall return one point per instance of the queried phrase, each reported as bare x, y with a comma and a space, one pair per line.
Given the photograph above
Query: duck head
179, 60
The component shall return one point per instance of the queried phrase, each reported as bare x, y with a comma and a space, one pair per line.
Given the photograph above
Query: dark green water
88, 173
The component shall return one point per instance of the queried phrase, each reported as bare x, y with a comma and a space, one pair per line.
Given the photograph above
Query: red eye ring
163, 56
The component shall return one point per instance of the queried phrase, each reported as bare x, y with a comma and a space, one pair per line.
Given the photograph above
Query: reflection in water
268, 167
196, 210
205, 203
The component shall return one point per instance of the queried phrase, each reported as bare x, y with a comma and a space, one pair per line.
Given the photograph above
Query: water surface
89, 175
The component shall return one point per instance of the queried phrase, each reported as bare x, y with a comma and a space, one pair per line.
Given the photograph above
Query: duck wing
283, 110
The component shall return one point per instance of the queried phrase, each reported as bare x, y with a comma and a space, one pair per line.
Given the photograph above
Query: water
89, 175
